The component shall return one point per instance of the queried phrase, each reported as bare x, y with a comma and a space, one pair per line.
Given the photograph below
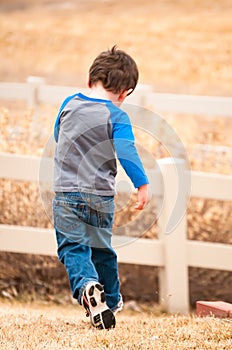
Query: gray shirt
90, 133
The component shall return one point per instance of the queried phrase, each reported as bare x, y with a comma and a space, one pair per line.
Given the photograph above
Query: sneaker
118, 308
94, 301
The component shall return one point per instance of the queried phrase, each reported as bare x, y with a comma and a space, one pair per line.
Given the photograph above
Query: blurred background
182, 47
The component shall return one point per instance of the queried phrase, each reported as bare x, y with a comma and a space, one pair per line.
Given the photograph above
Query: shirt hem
85, 190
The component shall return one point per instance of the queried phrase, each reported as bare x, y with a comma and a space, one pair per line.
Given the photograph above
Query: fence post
33, 87
33, 99
173, 282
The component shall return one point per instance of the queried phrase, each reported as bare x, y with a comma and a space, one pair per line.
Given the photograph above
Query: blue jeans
83, 224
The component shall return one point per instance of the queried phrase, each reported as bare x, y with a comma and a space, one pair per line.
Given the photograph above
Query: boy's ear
124, 94
88, 82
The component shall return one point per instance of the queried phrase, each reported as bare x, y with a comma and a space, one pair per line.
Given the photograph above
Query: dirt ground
37, 327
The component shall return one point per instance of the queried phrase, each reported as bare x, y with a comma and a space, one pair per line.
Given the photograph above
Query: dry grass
37, 327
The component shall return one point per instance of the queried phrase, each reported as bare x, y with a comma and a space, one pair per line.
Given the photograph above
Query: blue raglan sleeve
57, 122
124, 144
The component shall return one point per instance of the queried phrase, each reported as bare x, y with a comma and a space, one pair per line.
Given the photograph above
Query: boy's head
116, 70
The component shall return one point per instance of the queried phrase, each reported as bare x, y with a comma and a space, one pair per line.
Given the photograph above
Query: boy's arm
127, 154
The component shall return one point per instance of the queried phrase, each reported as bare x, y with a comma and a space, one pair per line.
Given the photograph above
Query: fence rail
35, 91
172, 253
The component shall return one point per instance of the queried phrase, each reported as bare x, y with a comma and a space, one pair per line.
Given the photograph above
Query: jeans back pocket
68, 215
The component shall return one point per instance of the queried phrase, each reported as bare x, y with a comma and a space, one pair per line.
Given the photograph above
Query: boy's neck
98, 91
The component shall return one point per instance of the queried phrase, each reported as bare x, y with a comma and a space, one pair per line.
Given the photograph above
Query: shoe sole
101, 316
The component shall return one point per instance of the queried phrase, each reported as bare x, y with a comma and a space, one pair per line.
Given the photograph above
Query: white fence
35, 91
172, 253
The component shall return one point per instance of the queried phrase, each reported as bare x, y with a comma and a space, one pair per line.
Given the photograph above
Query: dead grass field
37, 327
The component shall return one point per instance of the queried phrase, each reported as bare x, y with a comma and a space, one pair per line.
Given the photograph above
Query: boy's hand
142, 197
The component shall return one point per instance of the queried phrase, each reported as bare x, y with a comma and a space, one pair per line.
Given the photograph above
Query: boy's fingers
140, 205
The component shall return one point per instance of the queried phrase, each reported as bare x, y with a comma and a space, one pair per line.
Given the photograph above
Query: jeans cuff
81, 290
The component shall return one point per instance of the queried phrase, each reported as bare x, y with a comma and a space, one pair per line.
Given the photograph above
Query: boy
89, 130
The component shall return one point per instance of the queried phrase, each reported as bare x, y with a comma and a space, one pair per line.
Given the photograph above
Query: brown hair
116, 70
